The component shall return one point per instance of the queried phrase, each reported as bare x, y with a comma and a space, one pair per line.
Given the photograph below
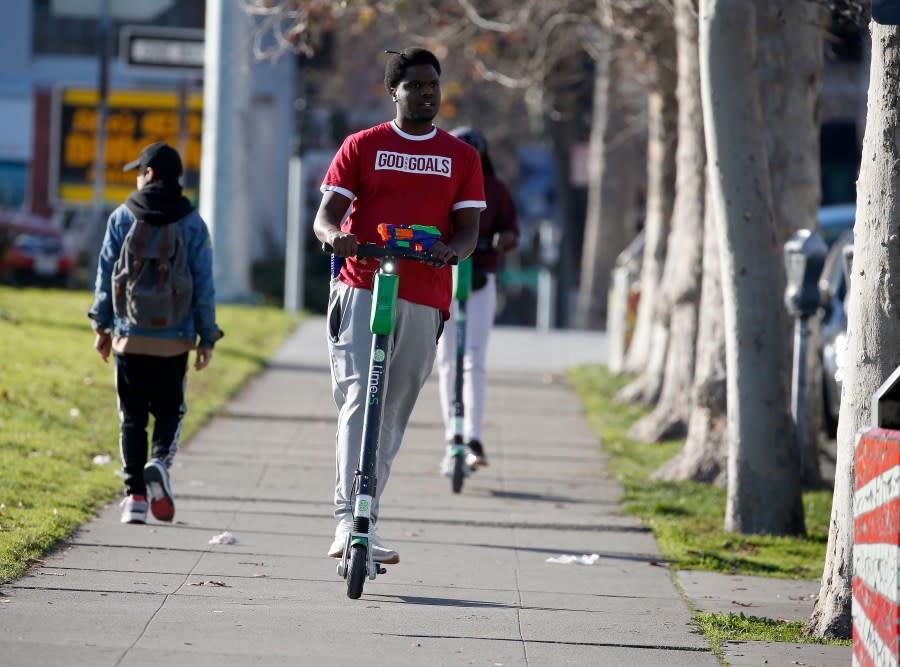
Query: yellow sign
134, 119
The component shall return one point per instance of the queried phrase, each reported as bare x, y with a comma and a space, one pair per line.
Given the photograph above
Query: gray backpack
152, 283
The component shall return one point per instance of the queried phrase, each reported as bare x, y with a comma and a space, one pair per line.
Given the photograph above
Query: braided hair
395, 67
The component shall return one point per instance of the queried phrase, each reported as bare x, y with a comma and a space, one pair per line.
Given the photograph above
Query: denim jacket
202, 319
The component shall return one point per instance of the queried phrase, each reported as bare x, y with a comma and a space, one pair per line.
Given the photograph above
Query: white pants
349, 347
479, 318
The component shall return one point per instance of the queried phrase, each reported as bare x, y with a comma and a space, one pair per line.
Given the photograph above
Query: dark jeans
149, 385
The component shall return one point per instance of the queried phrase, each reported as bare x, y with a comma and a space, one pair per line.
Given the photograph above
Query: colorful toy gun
418, 238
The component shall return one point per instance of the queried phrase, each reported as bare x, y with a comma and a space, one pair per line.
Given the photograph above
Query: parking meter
804, 257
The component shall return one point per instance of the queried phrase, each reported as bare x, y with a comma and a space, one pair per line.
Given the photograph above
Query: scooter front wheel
356, 571
459, 472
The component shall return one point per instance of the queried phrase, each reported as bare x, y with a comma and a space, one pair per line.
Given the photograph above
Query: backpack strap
139, 242
163, 257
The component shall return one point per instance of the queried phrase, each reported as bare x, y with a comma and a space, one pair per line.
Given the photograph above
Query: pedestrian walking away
402, 172
498, 232
154, 301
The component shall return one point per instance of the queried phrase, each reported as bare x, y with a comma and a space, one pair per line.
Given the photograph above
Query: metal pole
798, 385
295, 248
546, 300
98, 223
225, 168
184, 89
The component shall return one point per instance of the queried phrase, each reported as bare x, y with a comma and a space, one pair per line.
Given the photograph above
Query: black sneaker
156, 477
476, 456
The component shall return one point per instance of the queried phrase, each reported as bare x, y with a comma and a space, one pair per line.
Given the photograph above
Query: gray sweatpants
413, 349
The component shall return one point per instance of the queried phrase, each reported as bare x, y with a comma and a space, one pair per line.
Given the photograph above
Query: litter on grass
569, 559
224, 538
101, 460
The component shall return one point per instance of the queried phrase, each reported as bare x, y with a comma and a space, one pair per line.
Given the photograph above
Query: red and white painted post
876, 540
876, 548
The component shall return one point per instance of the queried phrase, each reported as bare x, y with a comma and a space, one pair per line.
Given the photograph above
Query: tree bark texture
704, 457
763, 462
609, 221
792, 59
873, 314
662, 121
682, 273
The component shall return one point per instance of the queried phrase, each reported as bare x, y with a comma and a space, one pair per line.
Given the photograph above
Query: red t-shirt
403, 179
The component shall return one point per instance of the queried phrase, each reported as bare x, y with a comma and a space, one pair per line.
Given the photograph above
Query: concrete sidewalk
474, 585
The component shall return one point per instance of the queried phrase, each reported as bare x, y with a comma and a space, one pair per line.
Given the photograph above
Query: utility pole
297, 227
225, 158
98, 223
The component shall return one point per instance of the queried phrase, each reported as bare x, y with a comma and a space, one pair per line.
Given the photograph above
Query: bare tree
680, 297
791, 35
873, 325
607, 220
763, 480
704, 457
647, 347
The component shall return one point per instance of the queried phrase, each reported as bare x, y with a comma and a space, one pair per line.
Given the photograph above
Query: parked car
836, 227
33, 251
834, 220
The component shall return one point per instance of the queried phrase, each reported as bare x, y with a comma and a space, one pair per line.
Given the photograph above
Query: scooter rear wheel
356, 571
459, 472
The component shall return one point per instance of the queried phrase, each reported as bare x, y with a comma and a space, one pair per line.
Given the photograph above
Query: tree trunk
873, 317
763, 462
791, 35
704, 457
662, 120
682, 274
610, 202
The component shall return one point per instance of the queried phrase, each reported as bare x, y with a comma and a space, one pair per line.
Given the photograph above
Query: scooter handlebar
381, 252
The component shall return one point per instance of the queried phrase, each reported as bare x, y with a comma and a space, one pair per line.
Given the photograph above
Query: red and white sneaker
134, 509
156, 477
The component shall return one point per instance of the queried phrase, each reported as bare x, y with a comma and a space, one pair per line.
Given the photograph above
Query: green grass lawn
720, 628
58, 410
687, 517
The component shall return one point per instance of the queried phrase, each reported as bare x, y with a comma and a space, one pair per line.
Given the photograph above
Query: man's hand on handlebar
343, 243
441, 252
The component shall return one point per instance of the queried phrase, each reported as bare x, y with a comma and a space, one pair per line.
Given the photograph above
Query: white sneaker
380, 553
336, 550
134, 509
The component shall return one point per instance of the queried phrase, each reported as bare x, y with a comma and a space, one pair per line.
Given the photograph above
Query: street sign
176, 50
886, 12
135, 118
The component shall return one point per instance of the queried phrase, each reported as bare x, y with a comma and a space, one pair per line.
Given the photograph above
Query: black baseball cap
163, 158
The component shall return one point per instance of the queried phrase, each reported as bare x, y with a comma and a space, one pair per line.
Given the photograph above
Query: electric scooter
462, 286
357, 562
